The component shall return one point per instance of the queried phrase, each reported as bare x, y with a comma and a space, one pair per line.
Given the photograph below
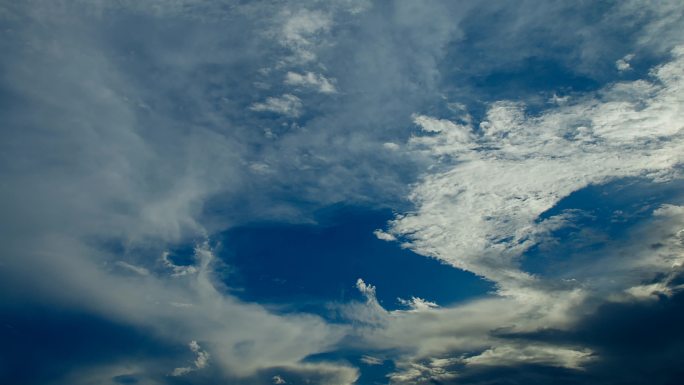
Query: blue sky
339, 247
342, 192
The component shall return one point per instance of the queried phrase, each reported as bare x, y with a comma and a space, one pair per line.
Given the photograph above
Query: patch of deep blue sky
308, 264
47, 342
603, 215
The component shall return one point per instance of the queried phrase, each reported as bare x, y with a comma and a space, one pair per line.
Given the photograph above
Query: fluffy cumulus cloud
132, 134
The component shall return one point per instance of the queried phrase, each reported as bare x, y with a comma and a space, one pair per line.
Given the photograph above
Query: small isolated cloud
278, 380
260, 168
287, 104
623, 64
367, 290
135, 269
312, 80
417, 304
201, 361
369, 312
370, 360
391, 146
177, 372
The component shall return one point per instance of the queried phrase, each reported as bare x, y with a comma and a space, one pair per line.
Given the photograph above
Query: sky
341, 192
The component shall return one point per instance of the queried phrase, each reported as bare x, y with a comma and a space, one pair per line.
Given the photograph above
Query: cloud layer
130, 130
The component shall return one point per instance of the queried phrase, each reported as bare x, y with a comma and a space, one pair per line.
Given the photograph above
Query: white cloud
639, 270
479, 214
253, 340
139, 160
370, 360
417, 304
366, 289
136, 269
451, 137
391, 146
384, 236
202, 357
145, 179
319, 373
451, 333
479, 211
286, 104
311, 80
528, 353
427, 371
301, 30
649, 292
260, 168
369, 313
177, 372
301, 25
201, 361
429, 124
623, 64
